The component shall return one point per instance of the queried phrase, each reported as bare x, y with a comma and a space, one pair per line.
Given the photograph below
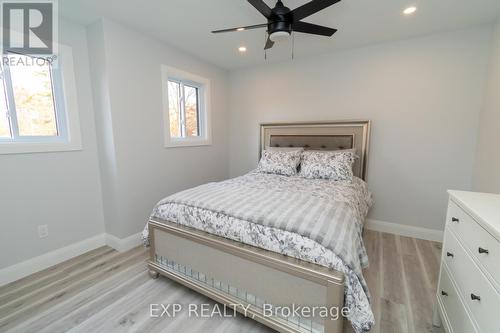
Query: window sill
37, 147
188, 143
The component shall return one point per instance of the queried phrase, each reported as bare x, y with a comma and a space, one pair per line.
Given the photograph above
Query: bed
264, 243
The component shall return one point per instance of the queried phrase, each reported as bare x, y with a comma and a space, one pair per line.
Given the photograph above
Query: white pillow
279, 162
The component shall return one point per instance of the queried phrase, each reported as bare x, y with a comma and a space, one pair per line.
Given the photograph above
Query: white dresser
469, 281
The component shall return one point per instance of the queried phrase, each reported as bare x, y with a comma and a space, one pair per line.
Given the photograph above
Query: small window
28, 103
32, 106
187, 121
183, 109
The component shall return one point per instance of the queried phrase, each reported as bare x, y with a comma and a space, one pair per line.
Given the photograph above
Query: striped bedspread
303, 206
317, 214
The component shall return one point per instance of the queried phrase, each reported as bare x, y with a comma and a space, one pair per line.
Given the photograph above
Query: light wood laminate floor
107, 291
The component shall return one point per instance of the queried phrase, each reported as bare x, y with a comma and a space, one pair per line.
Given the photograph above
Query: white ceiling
186, 24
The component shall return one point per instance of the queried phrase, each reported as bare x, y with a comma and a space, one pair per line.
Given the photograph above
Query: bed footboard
265, 285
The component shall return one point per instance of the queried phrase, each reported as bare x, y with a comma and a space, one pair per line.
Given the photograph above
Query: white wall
487, 172
61, 189
423, 96
104, 123
137, 170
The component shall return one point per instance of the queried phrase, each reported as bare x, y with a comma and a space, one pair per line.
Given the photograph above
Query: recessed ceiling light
242, 49
240, 29
410, 10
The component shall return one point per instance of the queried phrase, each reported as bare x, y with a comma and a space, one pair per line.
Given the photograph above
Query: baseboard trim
405, 230
124, 244
33, 265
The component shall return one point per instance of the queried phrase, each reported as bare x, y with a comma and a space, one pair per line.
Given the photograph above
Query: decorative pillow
279, 162
335, 165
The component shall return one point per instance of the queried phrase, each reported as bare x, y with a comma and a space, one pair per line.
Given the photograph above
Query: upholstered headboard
321, 136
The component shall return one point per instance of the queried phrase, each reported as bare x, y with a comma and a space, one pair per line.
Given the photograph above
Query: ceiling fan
281, 20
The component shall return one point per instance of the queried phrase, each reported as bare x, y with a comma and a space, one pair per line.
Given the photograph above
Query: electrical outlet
43, 231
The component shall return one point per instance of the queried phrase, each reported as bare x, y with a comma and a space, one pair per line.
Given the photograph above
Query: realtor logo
28, 27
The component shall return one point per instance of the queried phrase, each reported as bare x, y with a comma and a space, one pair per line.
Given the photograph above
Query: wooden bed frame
231, 272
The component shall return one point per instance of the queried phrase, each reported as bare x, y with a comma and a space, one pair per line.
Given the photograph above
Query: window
28, 103
183, 109
186, 109
33, 109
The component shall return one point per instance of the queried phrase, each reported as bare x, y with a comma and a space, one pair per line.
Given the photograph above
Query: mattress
315, 220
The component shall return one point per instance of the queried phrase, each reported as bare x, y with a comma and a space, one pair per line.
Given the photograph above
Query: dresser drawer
484, 247
453, 309
477, 292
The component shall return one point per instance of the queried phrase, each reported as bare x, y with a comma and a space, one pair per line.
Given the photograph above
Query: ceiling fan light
279, 36
410, 10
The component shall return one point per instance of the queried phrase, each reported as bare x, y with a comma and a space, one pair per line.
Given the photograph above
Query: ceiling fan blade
269, 43
261, 7
310, 8
314, 29
248, 27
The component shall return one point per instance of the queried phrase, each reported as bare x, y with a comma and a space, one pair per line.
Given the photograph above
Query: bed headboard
333, 135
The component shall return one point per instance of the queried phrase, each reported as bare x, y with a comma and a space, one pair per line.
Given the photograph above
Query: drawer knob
475, 297
481, 250
444, 293
455, 219
449, 254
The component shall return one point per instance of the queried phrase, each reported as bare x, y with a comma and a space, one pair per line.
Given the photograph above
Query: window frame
182, 106
204, 126
59, 114
65, 108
